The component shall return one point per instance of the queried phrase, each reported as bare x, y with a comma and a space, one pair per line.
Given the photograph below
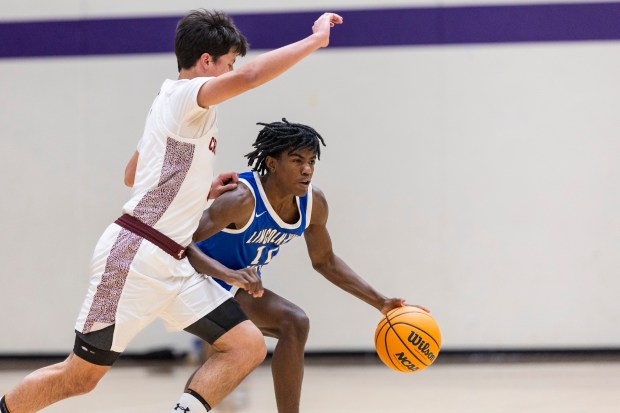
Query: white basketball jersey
175, 166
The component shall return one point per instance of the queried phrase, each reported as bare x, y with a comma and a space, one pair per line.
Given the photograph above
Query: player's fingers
254, 283
243, 281
228, 187
335, 19
215, 193
256, 291
398, 302
391, 304
257, 288
329, 18
229, 176
421, 308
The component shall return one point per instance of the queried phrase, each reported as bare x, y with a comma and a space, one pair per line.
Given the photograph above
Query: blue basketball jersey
259, 241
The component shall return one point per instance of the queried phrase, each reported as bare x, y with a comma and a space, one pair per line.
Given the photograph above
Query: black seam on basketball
407, 308
380, 328
385, 344
409, 312
387, 350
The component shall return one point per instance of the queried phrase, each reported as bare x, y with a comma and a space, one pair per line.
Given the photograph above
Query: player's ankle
191, 401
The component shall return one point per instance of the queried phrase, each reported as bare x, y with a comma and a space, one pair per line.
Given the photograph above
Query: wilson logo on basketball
422, 345
405, 362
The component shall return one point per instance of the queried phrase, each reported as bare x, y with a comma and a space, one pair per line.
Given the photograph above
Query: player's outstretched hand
247, 279
322, 26
392, 303
224, 182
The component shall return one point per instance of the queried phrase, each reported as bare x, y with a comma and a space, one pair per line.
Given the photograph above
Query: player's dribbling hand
224, 182
247, 279
323, 25
392, 303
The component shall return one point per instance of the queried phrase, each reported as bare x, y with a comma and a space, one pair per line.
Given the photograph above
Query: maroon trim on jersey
139, 228
105, 301
155, 203
177, 161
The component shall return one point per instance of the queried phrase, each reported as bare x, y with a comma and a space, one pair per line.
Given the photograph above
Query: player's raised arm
334, 269
266, 66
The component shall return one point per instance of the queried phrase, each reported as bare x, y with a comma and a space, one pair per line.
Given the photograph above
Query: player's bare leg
48, 385
279, 318
233, 356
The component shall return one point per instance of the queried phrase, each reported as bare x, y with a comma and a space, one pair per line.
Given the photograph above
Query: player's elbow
130, 175
250, 77
327, 265
130, 170
321, 266
129, 181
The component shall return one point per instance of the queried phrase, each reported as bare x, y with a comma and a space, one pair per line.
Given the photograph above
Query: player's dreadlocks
278, 137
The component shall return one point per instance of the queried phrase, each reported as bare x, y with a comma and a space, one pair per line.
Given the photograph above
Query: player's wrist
319, 40
381, 302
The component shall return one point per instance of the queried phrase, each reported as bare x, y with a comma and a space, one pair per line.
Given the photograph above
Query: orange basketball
408, 339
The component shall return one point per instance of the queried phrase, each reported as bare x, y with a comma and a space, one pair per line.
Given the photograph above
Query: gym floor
463, 384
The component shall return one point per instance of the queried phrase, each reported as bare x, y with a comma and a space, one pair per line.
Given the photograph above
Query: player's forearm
256, 72
270, 65
340, 274
204, 264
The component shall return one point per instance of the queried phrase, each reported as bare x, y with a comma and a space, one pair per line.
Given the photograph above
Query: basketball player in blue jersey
245, 228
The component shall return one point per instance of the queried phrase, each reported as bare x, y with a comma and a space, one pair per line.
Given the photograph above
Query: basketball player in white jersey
139, 269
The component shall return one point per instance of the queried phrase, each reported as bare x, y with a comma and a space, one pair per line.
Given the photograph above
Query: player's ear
270, 162
205, 59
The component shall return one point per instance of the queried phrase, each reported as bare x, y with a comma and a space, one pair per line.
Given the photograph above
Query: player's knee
76, 378
295, 323
256, 349
85, 385
82, 384
244, 343
76, 385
